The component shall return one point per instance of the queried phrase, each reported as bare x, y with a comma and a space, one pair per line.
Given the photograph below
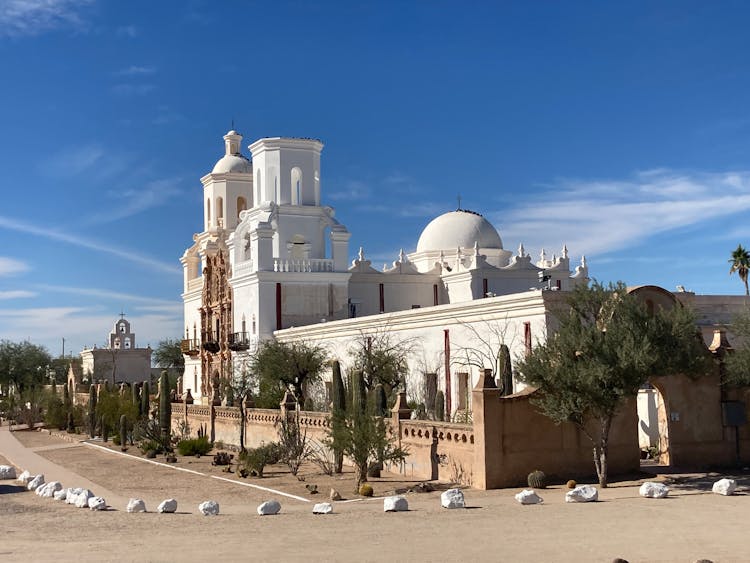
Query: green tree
362, 437
22, 364
606, 347
279, 366
381, 359
737, 364
168, 354
740, 263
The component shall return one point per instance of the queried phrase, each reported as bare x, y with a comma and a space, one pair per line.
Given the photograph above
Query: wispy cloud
595, 217
134, 70
140, 302
53, 234
11, 266
76, 160
130, 31
34, 17
127, 89
166, 115
133, 201
352, 190
82, 326
16, 294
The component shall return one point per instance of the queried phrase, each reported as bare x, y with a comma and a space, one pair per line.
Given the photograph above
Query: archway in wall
653, 425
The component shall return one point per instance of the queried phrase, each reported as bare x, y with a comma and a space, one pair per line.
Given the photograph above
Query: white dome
459, 228
232, 163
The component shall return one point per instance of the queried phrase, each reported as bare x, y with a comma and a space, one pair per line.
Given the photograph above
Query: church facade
120, 361
273, 261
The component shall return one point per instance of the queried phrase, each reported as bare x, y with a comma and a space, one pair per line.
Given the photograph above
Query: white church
272, 261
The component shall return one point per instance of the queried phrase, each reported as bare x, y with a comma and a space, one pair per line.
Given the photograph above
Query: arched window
127, 343
117, 344
296, 186
241, 205
219, 208
208, 212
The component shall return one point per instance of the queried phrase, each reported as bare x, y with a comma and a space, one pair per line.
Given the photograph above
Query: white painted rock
48, 490
653, 490
35, 482
7, 472
269, 508
323, 508
25, 477
167, 506
97, 503
72, 495
582, 493
209, 508
395, 504
452, 498
529, 496
62, 494
82, 499
136, 505
724, 487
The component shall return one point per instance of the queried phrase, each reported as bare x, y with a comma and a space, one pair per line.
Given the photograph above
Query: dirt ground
690, 524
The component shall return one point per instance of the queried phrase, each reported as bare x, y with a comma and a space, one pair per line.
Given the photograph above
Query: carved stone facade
216, 324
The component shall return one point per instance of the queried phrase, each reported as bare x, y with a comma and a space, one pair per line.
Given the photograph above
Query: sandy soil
691, 524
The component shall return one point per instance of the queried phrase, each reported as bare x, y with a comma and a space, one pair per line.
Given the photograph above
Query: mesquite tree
606, 347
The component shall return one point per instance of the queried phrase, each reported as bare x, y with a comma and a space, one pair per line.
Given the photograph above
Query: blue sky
620, 129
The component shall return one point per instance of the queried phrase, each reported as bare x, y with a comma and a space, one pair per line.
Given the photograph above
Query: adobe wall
697, 437
514, 439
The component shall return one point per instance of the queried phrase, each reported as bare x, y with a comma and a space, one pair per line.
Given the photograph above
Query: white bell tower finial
232, 141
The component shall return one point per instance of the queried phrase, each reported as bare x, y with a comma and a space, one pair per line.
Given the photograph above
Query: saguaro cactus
92, 410
145, 399
358, 391
165, 408
123, 432
381, 402
439, 406
136, 398
338, 408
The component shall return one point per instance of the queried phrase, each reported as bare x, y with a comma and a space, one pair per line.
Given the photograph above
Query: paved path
26, 459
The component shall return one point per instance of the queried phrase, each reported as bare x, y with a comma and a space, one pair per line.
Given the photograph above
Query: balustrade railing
302, 265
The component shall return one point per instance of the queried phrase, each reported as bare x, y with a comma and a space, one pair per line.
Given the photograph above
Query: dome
232, 163
459, 228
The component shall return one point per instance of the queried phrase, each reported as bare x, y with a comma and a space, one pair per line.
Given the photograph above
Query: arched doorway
653, 426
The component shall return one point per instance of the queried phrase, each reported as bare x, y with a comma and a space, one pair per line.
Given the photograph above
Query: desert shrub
293, 445
116, 440
149, 437
147, 446
322, 456
194, 446
254, 460
222, 458
55, 415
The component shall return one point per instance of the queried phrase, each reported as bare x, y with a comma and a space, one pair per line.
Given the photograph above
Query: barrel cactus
537, 479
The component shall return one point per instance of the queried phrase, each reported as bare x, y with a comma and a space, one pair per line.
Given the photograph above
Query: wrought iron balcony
190, 347
210, 343
239, 341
